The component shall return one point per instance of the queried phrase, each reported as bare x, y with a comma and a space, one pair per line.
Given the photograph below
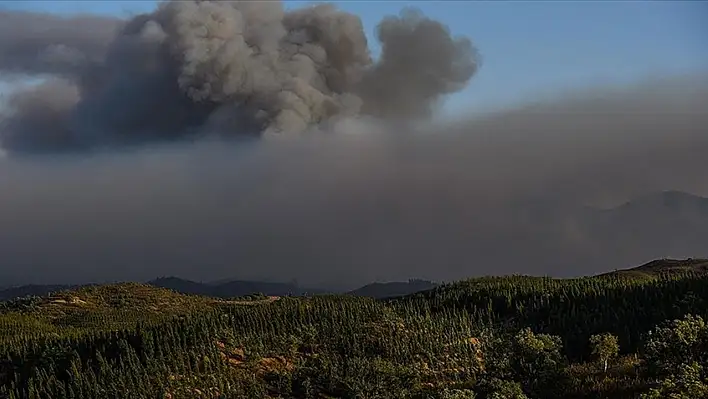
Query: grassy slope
88, 309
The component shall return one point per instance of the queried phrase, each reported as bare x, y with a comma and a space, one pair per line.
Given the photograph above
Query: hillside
30, 289
235, 288
393, 289
673, 266
493, 337
229, 289
92, 309
226, 289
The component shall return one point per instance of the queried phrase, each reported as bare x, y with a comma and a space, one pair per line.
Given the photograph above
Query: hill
493, 337
31, 290
225, 289
91, 309
235, 288
393, 289
661, 267
674, 266
232, 288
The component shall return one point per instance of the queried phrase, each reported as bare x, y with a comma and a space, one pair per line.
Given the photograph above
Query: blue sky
530, 48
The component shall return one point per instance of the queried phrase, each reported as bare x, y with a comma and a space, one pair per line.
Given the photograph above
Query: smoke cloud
365, 194
34, 43
226, 68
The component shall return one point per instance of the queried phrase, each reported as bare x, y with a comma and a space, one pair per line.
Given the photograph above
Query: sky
530, 49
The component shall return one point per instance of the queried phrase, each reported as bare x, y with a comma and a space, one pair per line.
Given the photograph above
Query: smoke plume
225, 68
364, 195
33, 43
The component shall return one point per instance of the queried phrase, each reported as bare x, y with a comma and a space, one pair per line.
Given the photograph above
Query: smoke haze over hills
361, 191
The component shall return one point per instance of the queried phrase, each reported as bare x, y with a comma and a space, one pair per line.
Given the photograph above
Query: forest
635, 333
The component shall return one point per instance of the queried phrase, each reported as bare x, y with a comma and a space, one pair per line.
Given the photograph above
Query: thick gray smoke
352, 201
224, 67
32, 43
500, 194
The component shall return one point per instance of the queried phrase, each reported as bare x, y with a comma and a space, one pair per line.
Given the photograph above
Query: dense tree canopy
488, 338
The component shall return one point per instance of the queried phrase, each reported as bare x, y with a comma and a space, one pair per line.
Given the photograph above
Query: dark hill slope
674, 266
643, 296
226, 289
31, 290
230, 289
393, 289
662, 267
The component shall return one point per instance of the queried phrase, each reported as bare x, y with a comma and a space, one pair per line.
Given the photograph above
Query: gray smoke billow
364, 195
35, 43
224, 67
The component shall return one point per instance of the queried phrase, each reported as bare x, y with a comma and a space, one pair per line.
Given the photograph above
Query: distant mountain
237, 288
233, 288
668, 224
393, 289
32, 290
669, 200
226, 289
566, 240
229, 289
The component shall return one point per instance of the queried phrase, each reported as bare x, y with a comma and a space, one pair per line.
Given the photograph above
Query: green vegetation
604, 348
611, 336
